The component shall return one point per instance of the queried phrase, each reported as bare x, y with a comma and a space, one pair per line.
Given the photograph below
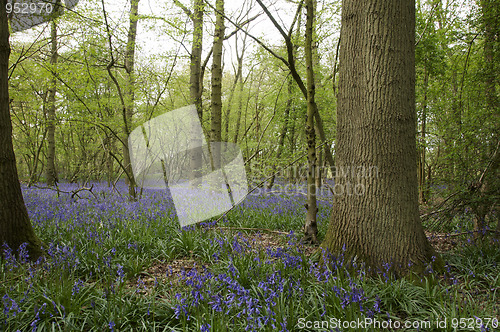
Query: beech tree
375, 215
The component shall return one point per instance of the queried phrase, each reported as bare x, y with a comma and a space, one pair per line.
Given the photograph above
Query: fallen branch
464, 233
254, 230
73, 193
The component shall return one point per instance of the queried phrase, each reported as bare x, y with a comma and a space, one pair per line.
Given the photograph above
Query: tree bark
216, 116
491, 28
310, 227
375, 215
422, 185
196, 78
15, 226
129, 93
196, 50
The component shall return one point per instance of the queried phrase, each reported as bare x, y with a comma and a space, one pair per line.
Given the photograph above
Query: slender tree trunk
238, 78
240, 108
375, 215
51, 111
319, 172
423, 192
15, 226
195, 80
310, 227
129, 93
196, 49
216, 119
491, 27
284, 130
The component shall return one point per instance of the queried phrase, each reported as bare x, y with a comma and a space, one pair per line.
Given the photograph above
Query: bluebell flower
76, 287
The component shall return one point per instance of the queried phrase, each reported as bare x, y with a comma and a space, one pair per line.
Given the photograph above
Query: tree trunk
195, 80
284, 130
310, 227
216, 118
491, 28
129, 93
422, 185
319, 170
375, 213
51, 111
238, 78
15, 226
196, 49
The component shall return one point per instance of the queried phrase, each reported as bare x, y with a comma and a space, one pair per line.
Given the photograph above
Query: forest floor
118, 265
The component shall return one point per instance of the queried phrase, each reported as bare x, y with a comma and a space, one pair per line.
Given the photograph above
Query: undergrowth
115, 265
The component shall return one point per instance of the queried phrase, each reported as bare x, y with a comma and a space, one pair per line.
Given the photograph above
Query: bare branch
257, 40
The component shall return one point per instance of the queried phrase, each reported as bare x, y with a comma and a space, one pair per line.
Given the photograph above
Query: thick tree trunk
15, 226
51, 112
375, 209
216, 118
489, 185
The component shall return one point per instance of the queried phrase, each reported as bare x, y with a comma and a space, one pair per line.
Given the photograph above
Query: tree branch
184, 8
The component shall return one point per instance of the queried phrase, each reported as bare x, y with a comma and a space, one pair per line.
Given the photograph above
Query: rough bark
15, 226
489, 184
375, 213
